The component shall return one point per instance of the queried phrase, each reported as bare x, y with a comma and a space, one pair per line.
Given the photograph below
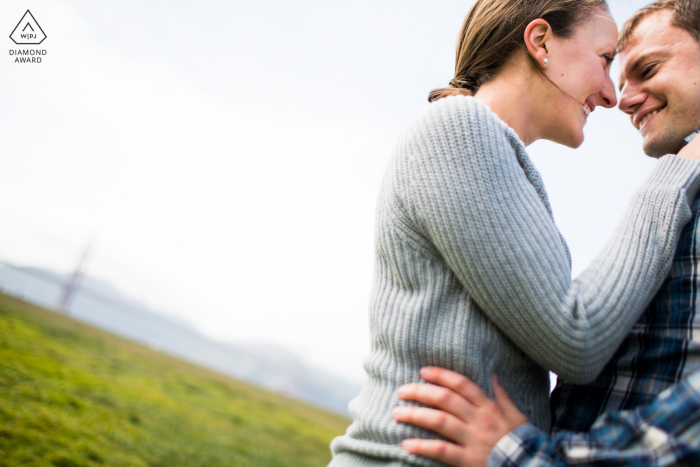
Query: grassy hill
72, 395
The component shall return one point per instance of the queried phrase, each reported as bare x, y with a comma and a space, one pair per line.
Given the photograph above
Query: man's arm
663, 433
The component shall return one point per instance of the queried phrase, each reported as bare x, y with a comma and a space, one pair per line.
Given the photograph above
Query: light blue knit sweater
473, 275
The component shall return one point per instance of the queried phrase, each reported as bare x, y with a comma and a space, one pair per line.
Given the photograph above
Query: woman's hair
495, 29
686, 15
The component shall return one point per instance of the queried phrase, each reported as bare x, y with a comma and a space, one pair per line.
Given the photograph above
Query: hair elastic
456, 83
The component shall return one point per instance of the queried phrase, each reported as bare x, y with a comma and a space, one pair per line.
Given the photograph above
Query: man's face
660, 83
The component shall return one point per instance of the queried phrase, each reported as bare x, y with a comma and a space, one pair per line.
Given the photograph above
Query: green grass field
72, 395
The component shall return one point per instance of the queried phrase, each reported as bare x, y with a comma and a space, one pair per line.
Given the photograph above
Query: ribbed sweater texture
473, 275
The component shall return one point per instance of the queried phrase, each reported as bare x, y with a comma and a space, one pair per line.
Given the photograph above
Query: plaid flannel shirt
662, 349
663, 433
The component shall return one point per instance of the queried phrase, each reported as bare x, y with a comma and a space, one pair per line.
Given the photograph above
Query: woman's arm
663, 433
476, 197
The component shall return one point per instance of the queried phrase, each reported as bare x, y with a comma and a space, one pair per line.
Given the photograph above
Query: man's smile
643, 117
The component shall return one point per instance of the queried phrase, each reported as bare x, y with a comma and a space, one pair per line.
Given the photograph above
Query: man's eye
646, 71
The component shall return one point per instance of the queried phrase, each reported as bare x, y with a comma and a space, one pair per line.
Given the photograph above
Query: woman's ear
537, 33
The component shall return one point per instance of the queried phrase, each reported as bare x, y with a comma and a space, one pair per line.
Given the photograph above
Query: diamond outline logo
27, 20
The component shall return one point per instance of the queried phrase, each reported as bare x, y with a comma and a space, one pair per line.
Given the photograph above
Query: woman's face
580, 67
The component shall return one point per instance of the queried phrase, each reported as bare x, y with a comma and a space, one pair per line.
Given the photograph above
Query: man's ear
537, 33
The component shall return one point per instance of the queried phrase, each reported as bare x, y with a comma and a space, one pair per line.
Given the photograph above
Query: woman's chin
575, 144
572, 140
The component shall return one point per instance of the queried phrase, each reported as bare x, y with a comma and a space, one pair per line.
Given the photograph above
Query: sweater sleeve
471, 198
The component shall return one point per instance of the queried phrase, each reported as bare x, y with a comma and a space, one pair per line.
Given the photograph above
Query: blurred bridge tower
73, 283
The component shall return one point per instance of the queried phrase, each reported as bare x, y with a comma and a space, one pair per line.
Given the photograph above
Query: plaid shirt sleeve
662, 433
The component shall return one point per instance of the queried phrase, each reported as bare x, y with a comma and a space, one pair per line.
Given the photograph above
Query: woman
472, 275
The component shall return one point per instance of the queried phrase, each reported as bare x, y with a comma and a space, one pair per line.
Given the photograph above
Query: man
659, 53
659, 50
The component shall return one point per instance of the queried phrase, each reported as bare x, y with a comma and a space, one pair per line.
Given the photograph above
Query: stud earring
546, 60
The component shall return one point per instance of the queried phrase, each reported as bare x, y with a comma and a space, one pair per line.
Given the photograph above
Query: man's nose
630, 98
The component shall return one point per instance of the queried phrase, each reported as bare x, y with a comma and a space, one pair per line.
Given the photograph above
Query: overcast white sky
227, 155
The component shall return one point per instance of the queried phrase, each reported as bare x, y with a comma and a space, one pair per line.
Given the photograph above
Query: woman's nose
608, 96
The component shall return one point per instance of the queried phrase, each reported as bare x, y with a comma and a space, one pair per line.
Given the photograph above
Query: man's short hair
686, 15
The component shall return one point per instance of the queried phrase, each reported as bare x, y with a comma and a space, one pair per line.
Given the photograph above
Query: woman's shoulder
465, 116
461, 123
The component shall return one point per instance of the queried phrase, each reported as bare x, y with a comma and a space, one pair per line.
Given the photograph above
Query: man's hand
466, 415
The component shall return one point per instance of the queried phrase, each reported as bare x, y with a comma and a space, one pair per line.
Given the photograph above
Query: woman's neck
518, 99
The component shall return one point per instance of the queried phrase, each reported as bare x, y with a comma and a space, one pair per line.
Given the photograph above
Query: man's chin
655, 148
653, 153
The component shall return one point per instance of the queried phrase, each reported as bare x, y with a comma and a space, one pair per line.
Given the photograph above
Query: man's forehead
654, 34
653, 30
